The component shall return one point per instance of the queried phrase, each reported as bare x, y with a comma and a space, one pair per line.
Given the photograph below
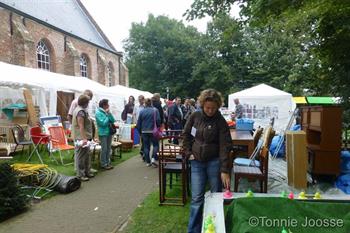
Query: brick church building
59, 36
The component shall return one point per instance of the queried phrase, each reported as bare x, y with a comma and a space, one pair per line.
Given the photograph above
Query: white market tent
44, 86
128, 91
262, 102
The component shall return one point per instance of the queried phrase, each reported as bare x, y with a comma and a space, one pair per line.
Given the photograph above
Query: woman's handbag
157, 133
112, 129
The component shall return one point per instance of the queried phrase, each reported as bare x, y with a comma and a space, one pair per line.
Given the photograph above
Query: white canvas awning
48, 83
128, 91
262, 102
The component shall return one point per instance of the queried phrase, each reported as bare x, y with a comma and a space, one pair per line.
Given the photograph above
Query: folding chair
59, 141
39, 139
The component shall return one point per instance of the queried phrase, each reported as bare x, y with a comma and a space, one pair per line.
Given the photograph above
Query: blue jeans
105, 150
201, 173
147, 139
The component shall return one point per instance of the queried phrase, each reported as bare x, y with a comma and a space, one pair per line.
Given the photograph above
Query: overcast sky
116, 16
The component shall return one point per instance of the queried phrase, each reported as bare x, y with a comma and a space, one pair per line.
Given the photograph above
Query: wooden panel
33, 119
296, 154
305, 116
315, 119
64, 99
324, 162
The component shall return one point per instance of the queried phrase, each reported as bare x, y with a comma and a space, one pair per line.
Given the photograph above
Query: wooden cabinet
323, 127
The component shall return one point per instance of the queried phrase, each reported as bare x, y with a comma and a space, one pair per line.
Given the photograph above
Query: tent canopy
128, 91
262, 103
261, 90
48, 83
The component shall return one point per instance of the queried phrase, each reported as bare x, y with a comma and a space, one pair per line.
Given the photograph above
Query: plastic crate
244, 124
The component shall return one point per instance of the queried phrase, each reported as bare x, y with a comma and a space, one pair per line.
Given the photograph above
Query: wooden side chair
172, 161
265, 142
254, 172
257, 135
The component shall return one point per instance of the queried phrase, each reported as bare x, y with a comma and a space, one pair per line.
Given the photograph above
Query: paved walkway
101, 205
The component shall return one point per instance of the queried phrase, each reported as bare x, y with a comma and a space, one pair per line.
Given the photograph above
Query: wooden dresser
323, 127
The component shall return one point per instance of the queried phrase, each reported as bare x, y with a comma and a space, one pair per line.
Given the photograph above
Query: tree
162, 53
324, 23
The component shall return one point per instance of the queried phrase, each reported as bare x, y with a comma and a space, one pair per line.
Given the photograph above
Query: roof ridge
91, 19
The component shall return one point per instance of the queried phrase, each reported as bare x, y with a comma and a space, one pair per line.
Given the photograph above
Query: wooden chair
257, 135
254, 173
266, 142
172, 161
59, 141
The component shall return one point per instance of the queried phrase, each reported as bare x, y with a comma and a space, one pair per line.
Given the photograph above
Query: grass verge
149, 217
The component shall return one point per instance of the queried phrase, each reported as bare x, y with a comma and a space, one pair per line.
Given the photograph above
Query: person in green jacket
105, 120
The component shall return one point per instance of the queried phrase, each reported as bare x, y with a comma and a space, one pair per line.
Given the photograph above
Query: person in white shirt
138, 108
74, 104
135, 116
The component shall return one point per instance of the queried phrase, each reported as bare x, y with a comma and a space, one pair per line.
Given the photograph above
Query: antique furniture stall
323, 127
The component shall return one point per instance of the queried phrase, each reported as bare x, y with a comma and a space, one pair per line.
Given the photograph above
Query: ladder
283, 132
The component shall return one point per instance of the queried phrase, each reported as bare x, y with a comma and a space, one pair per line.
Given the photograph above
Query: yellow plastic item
317, 195
302, 195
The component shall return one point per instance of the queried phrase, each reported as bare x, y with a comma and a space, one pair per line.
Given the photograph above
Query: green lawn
68, 158
149, 217
63, 169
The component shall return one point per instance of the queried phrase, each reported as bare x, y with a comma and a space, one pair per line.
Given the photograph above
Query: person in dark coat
175, 117
128, 110
207, 144
158, 105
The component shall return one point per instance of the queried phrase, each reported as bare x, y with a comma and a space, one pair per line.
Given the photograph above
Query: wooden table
243, 138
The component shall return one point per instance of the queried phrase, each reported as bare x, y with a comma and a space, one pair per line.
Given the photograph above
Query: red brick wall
20, 48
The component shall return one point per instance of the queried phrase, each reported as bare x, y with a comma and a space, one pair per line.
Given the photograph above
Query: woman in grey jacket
207, 143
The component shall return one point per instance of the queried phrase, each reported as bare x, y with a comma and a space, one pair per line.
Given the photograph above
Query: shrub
12, 198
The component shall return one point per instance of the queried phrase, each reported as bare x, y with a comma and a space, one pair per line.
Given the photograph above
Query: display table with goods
265, 213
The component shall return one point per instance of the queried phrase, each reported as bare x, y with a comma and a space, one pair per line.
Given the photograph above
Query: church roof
69, 16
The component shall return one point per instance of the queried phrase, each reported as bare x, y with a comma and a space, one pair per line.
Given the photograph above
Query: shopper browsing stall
207, 143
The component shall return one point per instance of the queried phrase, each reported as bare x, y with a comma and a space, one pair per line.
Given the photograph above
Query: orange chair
59, 141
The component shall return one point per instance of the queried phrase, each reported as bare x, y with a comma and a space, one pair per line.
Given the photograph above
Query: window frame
43, 56
83, 64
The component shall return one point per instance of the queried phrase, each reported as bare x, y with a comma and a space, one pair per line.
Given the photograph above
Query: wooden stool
116, 146
126, 144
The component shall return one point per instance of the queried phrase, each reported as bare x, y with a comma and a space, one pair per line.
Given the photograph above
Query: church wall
19, 37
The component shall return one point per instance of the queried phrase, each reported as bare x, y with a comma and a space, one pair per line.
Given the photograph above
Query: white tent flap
16, 77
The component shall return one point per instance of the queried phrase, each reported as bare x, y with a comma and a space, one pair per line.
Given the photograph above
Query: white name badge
193, 131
